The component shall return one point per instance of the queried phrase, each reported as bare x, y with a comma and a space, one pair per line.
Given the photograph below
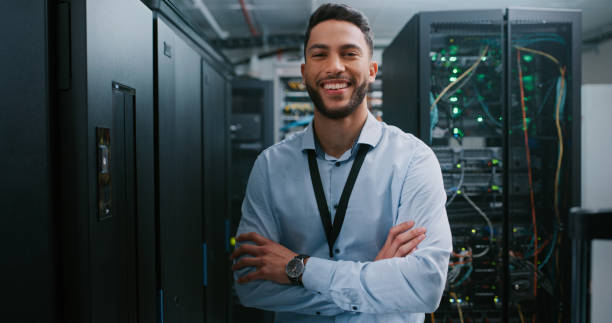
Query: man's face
337, 68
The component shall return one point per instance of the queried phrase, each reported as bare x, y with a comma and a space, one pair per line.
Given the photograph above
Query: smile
337, 84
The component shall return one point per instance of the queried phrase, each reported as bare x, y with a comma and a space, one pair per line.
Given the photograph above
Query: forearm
271, 296
410, 284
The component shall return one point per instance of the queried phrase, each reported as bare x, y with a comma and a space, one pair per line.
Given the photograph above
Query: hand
401, 242
268, 257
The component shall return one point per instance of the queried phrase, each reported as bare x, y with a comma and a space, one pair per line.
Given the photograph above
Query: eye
318, 55
351, 54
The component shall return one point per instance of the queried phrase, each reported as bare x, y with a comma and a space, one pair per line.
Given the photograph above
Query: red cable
248, 18
531, 194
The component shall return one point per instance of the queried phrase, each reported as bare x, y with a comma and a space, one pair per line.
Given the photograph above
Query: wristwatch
295, 269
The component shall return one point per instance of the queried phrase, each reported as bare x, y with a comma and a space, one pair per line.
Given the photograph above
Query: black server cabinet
180, 178
28, 239
105, 152
192, 118
217, 100
496, 95
251, 132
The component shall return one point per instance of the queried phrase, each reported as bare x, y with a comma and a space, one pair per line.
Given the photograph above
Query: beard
343, 112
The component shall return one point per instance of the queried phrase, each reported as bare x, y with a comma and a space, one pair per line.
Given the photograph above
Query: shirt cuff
318, 274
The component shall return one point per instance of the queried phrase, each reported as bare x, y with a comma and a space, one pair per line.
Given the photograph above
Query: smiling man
333, 215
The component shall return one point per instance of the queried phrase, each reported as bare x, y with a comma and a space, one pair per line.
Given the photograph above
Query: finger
249, 277
398, 229
406, 248
247, 262
404, 237
245, 249
252, 236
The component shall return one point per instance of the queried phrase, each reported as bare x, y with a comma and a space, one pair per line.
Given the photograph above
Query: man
326, 221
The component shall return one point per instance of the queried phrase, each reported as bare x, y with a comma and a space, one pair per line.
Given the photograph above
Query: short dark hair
342, 12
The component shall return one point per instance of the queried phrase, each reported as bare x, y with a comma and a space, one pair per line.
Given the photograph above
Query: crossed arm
372, 287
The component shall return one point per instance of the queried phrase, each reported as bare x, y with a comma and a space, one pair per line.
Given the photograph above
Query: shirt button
355, 308
337, 250
338, 164
335, 206
318, 313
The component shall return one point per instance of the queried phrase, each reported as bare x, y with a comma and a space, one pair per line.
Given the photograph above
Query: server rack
477, 86
104, 149
252, 131
192, 142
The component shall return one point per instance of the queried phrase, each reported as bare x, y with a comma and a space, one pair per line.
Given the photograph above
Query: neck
336, 136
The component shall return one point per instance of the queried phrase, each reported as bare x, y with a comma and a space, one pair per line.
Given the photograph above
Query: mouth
335, 86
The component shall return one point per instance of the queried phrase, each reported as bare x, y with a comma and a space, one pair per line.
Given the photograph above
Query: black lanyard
332, 232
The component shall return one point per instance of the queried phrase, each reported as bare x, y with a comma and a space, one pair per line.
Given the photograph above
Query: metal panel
215, 122
27, 225
180, 176
107, 276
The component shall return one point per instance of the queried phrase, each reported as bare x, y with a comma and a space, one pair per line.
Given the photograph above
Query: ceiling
387, 17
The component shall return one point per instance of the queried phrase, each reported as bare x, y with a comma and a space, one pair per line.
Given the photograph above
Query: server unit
496, 95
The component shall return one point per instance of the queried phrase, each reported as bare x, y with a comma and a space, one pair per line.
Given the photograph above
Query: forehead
336, 33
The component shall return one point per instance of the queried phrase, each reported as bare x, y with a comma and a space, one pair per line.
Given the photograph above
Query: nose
334, 65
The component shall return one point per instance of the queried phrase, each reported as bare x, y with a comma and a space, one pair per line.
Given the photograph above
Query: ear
373, 71
302, 71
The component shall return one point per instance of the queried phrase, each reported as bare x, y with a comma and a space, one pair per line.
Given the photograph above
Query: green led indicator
495, 187
456, 110
494, 161
479, 119
452, 49
500, 118
452, 59
484, 58
473, 230
455, 70
458, 191
452, 79
514, 229
528, 82
480, 77
443, 59
455, 130
458, 165
434, 57
453, 99
527, 58
462, 249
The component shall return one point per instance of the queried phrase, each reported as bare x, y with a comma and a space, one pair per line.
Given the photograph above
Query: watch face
294, 268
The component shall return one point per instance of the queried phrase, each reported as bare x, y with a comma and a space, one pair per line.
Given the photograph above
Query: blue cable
467, 274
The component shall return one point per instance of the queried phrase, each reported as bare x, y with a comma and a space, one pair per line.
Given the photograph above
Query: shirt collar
370, 134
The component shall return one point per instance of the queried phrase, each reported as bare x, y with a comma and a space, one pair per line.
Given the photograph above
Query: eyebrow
343, 47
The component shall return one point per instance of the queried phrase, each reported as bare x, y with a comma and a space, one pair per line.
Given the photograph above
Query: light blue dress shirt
400, 180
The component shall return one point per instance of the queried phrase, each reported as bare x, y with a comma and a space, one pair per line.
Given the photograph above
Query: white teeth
334, 86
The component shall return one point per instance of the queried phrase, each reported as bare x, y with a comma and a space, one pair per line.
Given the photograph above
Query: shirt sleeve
257, 216
414, 283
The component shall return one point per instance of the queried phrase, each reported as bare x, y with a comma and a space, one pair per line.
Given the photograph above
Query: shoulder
282, 153
401, 141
